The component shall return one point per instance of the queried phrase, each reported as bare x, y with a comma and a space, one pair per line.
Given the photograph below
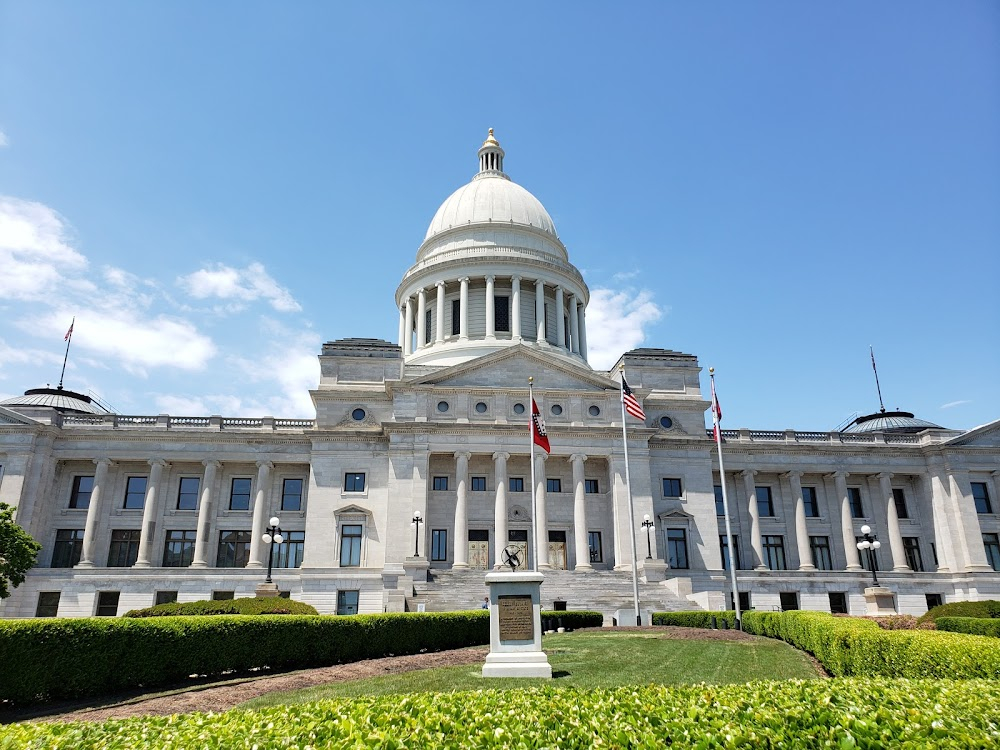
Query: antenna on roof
68, 338
877, 386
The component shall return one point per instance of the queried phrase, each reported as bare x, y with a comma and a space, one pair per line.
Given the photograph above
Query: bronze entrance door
557, 550
518, 539
479, 549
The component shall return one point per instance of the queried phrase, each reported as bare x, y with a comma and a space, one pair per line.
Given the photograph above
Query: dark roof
890, 421
56, 398
362, 348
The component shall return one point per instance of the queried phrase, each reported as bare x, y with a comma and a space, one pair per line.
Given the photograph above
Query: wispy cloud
616, 322
623, 276
953, 404
240, 284
4, 141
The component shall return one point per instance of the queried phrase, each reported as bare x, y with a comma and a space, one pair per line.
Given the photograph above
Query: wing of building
133, 510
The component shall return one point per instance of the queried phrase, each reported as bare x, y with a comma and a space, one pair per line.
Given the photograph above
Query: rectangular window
809, 502
483, 535
934, 554
234, 549
456, 317
838, 603
745, 603
677, 548
899, 498
124, 549
545, 313
354, 482
867, 556
178, 552
79, 497
187, 493
566, 331
223, 596
289, 553
911, 546
107, 603
720, 506
428, 327
725, 551
789, 600
671, 487
347, 602
590, 486
291, 494
854, 498
501, 313
68, 548
774, 551
440, 483
934, 600
596, 552
553, 485
135, 493
439, 545
765, 505
350, 546
479, 484
992, 544
48, 604
516, 484
239, 494
820, 546
982, 497
166, 597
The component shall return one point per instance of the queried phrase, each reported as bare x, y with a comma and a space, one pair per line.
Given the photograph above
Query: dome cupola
491, 157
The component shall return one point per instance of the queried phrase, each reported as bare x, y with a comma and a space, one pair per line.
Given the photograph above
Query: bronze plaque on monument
517, 618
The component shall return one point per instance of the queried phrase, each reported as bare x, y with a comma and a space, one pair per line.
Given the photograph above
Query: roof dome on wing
890, 421
491, 198
56, 398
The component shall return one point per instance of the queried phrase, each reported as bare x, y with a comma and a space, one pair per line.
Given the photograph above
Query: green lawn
594, 659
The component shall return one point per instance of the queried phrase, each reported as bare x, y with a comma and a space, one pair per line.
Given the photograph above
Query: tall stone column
583, 332
541, 514
539, 310
995, 496
491, 328
560, 319
150, 510
439, 333
421, 319
500, 510
261, 506
846, 521
94, 513
206, 511
969, 519
756, 547
895, 536
463, 309
515, 304
580, 513
462, 510
574, 323
801, 530
402, 327
408, 339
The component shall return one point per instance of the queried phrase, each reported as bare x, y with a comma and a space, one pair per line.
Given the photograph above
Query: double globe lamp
869, 544
272, 536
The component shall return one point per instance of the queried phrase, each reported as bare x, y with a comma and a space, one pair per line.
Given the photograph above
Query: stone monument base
267, 590
517, 665
516, 626
880, 601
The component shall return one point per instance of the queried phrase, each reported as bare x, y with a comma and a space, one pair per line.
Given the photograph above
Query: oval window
595, 411
556, 409
358, 414
481, 407
442, 406
666, 423
519, 408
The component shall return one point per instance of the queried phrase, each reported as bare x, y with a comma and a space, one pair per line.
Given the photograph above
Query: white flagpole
532, 550
631, 511
725, 500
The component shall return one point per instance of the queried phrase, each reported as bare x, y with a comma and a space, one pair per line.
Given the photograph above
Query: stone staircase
605, 591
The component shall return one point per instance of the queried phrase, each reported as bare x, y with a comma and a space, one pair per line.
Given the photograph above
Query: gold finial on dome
490, 140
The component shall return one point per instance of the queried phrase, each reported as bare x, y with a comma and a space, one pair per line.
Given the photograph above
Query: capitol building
415, 474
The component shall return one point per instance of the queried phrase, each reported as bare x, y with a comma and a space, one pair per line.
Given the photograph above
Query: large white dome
491, 198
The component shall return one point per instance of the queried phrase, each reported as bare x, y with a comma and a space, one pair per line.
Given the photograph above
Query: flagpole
532, 545
69, 340
725, 500
631, 511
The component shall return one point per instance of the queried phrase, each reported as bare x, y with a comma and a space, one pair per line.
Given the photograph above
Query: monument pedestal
515, 627
267, 590
880, 601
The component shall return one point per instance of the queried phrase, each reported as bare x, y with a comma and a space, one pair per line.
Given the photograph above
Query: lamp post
870, 544
272, 536
417, 520
647, 524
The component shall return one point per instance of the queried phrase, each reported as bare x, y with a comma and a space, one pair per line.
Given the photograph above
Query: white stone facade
436, 424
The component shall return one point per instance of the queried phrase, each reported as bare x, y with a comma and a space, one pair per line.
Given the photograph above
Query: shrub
971, 625
901, 622
66, 658
695, 619
573, 619
986, 609
252, 606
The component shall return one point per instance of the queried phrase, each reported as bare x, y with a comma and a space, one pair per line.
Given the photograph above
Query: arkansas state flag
538, 433
716, 412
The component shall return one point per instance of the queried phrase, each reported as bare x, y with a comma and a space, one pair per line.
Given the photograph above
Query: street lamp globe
278, 538
266, 538
274, 520
866, 529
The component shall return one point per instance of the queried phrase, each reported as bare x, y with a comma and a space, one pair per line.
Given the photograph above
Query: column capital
463, 454
265, 463
794, 474
439, 284
104, 461
463, 279
578, 457
748, 473
407, 302
490, 277
542, 455
995, 474
515, 279
211, 462
839, 474
157, 462
501, 456
539, 283
884, 475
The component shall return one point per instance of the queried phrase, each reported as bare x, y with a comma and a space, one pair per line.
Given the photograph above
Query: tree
18, 552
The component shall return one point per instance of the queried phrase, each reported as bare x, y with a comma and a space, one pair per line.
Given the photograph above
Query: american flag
631, 402
69, 333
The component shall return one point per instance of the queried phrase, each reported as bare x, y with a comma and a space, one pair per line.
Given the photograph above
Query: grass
593, 659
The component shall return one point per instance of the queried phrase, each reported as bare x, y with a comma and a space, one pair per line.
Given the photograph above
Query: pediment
984, 436
352, 510
12, 417
511, 368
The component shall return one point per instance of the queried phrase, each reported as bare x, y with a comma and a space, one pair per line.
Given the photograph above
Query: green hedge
970, 625
848, 646
274, 605
573, 619
845, 713
986, 609
65, 658
695, 619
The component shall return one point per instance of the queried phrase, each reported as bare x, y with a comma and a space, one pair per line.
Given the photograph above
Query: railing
792, 436
165, 421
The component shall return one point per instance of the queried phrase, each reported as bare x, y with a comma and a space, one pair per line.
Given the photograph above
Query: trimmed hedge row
274, 605
970, 625
850, 713
695, 619
66, 658
573, 619
984, 609
852, 646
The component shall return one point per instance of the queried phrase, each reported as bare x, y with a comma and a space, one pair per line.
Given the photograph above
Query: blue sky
214, 189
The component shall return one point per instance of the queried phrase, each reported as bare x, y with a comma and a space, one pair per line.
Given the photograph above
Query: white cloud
242, 284
953, 404
10, 355
290, 362
4, 141
198, 406
616, 323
